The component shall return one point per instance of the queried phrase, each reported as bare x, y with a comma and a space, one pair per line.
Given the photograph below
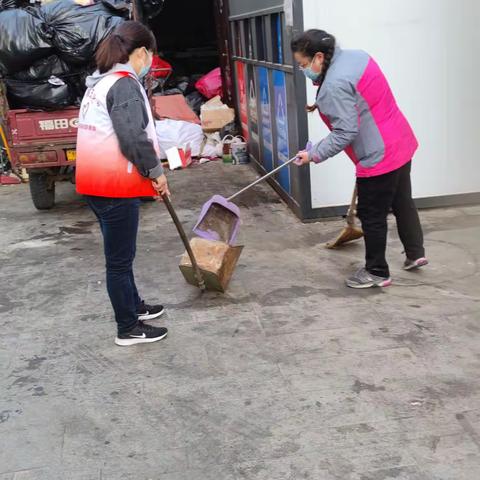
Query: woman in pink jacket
355, 101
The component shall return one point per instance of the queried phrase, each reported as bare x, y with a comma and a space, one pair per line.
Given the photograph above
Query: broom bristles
348, 234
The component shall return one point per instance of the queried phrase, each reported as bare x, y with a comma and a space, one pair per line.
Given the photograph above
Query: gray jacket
357, 104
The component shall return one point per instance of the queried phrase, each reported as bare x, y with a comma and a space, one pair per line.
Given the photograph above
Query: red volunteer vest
101, 168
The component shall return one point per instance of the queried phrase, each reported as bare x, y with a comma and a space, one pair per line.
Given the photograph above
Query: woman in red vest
117, 164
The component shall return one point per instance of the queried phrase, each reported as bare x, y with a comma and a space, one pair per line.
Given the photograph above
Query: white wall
430, 53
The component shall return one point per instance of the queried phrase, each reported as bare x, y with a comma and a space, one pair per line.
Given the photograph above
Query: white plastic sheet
179, 134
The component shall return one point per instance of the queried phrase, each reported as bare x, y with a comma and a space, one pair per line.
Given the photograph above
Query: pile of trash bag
74, 30
192, 121
46, 52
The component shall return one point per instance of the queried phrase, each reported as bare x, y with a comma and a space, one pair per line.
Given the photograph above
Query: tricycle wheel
42, 189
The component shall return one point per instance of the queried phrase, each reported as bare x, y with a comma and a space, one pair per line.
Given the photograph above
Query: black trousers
376, 197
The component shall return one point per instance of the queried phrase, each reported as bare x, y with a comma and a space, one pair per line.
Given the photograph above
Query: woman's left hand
160, 184
302, 158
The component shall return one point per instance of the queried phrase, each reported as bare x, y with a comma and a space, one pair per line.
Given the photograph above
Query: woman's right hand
160, 184
303, 158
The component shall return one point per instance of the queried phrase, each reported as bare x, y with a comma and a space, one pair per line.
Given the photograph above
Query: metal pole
261, 179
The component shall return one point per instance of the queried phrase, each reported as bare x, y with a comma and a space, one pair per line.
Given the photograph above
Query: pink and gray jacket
358, 106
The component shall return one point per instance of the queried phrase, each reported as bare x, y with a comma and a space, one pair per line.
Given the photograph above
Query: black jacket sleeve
128, 112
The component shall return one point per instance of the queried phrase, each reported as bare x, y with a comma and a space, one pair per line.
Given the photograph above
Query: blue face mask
309, 73
144, 71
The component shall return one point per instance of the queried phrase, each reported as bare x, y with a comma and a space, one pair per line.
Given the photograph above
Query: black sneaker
149, 312
142, 333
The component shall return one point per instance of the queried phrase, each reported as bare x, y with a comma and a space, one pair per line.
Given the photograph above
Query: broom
350, 232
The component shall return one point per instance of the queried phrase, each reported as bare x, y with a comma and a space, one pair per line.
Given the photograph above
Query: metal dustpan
220, 218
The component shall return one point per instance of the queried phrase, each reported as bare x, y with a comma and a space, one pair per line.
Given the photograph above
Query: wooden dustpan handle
168, 203
186, 243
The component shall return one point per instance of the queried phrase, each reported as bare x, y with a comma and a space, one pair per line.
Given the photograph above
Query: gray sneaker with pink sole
364, 279
414, 264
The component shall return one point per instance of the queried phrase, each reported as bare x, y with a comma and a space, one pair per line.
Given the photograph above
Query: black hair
119, 45
310, 43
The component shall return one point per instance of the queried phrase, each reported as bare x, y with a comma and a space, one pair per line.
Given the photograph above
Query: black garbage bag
44, 69
53, 66
48, 94
21, 40
183, 86
7, 4
120, 6
171, 91
192, 80
195, 100
76, 31
230, 129
77, 83
11, 4
151, 8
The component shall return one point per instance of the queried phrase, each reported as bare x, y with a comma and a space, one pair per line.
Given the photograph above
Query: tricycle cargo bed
36, 128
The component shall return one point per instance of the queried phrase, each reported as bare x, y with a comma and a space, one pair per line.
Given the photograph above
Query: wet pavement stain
6, 305
469, 429
38, 391
63, 232
84, 223
74, 231
35, 362
359, 386
435, 442
386, 474
360, 428
23, 381
209, 300
415, 337
4, 416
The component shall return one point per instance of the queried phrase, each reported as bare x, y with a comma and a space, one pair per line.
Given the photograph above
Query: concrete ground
288, 376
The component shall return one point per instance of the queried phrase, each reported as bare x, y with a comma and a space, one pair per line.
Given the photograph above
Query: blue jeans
118, 218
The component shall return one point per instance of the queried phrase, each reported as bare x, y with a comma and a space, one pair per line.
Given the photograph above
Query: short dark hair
313, 41
119, 45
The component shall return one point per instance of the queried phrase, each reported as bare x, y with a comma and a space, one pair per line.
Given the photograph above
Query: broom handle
352, 208
186, 243
261, 179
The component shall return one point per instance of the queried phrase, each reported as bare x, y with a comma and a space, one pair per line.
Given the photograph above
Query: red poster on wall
242, 97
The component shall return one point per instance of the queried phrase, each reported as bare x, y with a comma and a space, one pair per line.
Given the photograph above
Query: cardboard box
216, 260
214, 115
